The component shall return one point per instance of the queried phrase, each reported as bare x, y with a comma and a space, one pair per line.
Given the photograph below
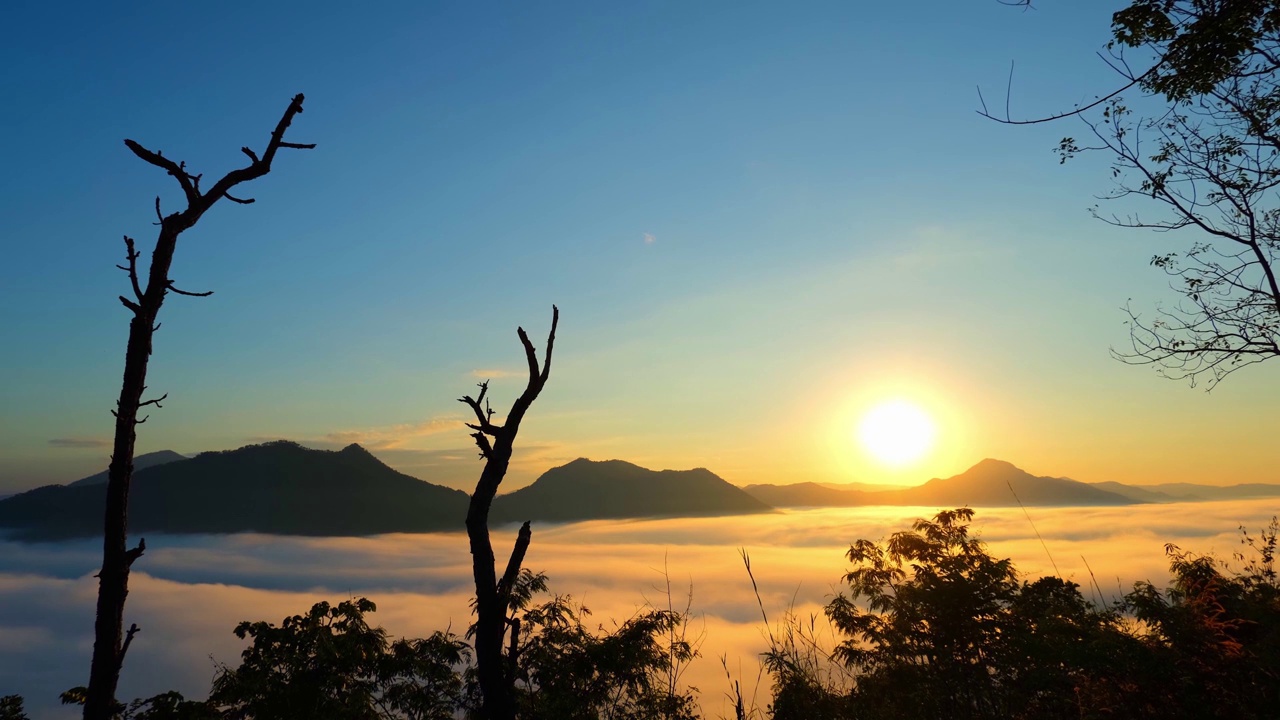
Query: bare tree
110, 642
492, 594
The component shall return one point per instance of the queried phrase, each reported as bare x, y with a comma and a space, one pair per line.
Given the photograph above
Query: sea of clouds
188, 592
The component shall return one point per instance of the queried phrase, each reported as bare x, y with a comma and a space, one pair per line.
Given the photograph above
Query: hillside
988, 484
1183, 492
141, 462
807, 494
584, 489
278, 487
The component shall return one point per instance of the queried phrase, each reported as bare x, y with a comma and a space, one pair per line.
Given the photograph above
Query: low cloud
188, 592
392, 436
74, 443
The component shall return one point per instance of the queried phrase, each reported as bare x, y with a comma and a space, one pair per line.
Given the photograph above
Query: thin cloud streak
74, 443
496, 374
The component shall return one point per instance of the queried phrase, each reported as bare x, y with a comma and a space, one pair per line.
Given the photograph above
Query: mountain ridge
141, 462
610, 489
282, 487
988, 483
278, 487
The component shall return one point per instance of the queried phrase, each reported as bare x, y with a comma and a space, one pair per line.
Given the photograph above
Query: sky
194, 589
758, 221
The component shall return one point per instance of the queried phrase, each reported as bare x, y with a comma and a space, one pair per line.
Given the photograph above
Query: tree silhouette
493, 594
1201, 142
11, 708
110, 642
330, 663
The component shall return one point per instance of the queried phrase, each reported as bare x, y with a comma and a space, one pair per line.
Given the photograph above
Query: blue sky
757, 220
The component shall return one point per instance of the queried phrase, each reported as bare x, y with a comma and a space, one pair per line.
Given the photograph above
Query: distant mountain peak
590, 489
140, 462
994, 464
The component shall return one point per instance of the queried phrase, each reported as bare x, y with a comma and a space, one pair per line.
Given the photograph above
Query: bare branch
128, 640
169, 166
171, 288
483, 412
1079, 109
234, 199
515, 561
132, 269
155, 401
136, 552
551, 343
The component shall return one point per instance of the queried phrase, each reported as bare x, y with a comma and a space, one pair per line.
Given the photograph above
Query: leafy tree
935, 626
110, 641
1217, 633
330, 663
1201, 142
11, 708
559, 668
165, 706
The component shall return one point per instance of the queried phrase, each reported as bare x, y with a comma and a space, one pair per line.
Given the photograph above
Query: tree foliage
331, 663
12, 708
561, 669
934, 626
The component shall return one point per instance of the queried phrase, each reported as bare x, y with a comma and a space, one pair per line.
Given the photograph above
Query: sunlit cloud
392, 436
75, 443
383, 437
649, 239
188, 592
496, 373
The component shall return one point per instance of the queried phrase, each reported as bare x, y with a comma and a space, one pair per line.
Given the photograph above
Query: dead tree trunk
496, 692
113, 580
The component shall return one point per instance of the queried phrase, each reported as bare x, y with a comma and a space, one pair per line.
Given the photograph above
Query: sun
897, 433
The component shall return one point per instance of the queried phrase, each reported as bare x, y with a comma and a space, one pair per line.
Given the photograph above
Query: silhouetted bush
935, 627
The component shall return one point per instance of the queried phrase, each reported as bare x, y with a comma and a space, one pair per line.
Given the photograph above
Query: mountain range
990, 483
996, 483
282, 487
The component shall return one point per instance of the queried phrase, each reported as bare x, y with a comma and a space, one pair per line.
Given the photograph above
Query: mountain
141, 462
1136, 493
278, 487
584, 489
859, 486
808, 494
1184, 492
986, 484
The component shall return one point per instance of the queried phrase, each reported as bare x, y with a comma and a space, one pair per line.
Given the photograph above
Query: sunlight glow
897, 433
